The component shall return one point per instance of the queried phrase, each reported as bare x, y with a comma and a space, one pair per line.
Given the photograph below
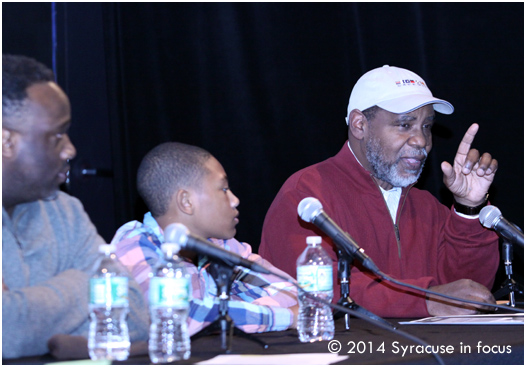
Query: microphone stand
509, 286
223, 277
344, 274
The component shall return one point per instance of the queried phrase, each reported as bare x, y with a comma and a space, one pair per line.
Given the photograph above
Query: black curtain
265, 86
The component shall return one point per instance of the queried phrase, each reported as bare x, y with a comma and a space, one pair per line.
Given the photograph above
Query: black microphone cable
360, 316
458, 299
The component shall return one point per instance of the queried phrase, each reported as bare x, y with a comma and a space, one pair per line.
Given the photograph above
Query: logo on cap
406, 82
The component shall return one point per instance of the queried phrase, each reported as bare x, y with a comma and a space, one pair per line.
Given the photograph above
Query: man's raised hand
471, 175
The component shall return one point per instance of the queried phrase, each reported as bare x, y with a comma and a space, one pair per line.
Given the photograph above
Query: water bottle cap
107, 248
313, 240
169, 247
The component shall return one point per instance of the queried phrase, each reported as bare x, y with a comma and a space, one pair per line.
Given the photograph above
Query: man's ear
183, 200
8, 143
357, 124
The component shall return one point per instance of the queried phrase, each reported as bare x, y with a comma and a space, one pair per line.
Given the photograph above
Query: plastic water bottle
108, 333
169, 298
314, 273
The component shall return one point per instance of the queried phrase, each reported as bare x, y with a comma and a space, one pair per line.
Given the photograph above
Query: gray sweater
49, 251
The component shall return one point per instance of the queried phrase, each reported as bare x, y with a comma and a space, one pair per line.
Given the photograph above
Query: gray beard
388, 171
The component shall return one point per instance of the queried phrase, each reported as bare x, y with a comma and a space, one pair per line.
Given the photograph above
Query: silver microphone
311, 210
491, 217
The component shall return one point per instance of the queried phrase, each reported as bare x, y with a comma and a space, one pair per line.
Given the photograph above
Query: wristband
470, 210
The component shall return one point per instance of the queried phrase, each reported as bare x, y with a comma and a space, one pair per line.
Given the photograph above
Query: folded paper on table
280, 359
486, 319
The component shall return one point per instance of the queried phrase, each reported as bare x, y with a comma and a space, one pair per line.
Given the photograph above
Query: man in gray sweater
49, 245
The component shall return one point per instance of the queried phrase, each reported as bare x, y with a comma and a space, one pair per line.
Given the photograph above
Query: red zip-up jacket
428, 245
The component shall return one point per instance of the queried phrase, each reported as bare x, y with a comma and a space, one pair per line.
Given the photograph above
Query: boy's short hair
167, 168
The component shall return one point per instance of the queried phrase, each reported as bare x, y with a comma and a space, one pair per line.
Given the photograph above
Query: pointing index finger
469, 136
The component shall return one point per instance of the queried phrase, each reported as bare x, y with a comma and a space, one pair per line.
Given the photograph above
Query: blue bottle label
169, 292
109, 291
315, 278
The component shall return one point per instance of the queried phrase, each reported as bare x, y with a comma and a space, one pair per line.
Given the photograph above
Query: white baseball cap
394, 89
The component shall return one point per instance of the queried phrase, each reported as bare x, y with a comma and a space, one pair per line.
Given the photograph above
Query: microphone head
489, 215
176, 233
309, 208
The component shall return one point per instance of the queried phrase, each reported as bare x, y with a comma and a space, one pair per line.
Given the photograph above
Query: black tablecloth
367, 344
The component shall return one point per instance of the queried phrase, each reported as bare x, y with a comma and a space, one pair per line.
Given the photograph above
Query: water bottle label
314, 278
169, 292
112, 291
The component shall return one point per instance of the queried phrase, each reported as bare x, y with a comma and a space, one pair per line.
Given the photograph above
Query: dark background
264, 87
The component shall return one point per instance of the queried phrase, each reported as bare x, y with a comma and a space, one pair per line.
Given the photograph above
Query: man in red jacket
367, 189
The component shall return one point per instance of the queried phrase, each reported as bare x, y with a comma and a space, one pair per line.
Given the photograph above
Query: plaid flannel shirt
258, 303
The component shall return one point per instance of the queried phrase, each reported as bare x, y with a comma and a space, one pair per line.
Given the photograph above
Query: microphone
178, 233
311, 210
491, 217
